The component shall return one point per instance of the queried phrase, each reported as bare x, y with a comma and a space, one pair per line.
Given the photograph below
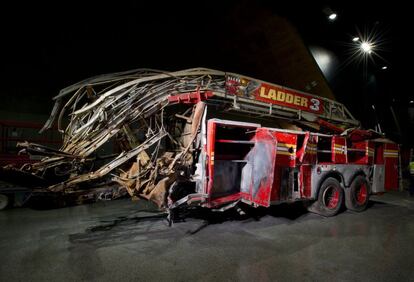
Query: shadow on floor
154, 225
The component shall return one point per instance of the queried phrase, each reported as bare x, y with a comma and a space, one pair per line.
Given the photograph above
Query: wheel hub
331, 197
361, 194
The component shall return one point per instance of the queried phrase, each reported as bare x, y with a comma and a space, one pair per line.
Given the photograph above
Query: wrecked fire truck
201, 137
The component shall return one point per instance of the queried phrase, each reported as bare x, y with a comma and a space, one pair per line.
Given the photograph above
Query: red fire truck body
262, 166
266, 166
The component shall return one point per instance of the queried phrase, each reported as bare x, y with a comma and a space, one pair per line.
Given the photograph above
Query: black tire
357, 195
4, 201
330, 198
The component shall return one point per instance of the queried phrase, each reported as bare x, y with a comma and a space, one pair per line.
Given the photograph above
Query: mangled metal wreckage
133, 110
189, 137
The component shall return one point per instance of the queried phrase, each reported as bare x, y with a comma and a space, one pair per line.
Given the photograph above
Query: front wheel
357, 195
330, 198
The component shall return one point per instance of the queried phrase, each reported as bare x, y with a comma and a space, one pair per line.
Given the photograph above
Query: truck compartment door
262, 160
391, 166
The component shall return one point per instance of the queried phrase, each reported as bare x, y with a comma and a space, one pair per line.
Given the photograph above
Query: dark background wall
49, 46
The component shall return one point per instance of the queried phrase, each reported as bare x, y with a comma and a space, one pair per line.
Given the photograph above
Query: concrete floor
122, 241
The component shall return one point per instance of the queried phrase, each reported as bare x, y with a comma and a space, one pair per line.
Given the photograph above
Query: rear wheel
330, 198
357, 195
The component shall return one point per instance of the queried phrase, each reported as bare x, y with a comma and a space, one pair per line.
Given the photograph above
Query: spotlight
366, 47
332, 16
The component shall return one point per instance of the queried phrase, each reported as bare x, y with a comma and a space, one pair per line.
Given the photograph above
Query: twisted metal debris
157, 135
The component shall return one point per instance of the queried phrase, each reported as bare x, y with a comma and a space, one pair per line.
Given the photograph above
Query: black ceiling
45, 47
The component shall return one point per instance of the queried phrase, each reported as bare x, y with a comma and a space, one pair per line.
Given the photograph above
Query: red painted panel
300, 151
290, 98
224, 199
274, 94
379, 153
190, 98
306, 180
311, 150
391, 166
339, 154
286, 148
275, 195
361, 152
